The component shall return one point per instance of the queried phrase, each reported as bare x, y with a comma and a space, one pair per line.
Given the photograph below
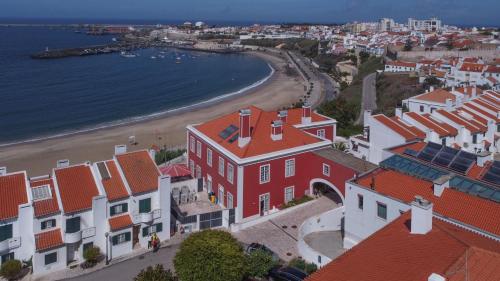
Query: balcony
147, 217
88, 232
10, 244
79, 235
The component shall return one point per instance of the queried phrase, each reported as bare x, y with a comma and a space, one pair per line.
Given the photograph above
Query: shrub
91, 256
296, 201
11, 269
210, 255
259, 263
157, 273
303, 265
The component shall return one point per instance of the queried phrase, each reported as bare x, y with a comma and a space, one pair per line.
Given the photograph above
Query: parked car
287, 274
256, 246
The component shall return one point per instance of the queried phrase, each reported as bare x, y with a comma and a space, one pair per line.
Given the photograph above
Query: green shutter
44, 225
50, 258
112, 211
159, 227
73, 225
114, 240
145, 231
125, 207
5, 232
145, 205
127, 236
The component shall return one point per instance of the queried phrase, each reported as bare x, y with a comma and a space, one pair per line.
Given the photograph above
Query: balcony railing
10, 244
147, 217
79, 235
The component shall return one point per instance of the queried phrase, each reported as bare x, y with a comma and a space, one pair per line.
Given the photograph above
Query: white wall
122, 248
381, 138
39, 266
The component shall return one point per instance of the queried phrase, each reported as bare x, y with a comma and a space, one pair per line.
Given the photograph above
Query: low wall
327, 221
486, 54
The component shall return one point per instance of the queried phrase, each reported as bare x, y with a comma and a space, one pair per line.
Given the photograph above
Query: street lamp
107, 234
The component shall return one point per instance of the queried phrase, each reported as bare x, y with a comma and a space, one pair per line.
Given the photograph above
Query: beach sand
38, 158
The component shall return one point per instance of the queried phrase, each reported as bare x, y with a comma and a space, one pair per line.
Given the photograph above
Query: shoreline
39, 157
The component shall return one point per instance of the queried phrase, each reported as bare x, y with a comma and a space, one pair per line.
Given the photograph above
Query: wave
151, 116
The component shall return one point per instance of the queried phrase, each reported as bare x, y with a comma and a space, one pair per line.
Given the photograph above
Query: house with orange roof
431, 100
400, 66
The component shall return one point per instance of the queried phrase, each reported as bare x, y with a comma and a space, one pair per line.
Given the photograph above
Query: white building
432, 24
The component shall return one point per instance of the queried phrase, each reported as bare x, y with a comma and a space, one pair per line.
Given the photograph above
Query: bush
259, 263
303, 265
11, 269
157, 273
166, 155
91, 256
210, 255
295, 201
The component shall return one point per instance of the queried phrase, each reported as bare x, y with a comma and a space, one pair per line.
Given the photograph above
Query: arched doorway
326, 188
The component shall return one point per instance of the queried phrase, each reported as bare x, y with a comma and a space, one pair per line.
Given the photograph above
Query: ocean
43, 98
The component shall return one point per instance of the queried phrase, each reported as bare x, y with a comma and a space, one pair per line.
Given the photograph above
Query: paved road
128, 269
369, 99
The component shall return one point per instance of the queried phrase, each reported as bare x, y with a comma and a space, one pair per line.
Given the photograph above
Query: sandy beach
38, 158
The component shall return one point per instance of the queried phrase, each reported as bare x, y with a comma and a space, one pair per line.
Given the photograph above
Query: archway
326, 188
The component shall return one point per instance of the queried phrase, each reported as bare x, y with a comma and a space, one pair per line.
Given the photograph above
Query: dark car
256, 246
287, 274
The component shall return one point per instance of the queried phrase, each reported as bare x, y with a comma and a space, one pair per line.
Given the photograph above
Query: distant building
433, 24
386, 24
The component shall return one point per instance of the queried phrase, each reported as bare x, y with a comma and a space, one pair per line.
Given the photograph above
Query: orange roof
120, 222
261, 142
48, 206
493, 69
432, 124
491, 99
76, 187
469, 89
461, 121
140, 171
416, 131
416, 146
12, 194
114, 186
402, 63
48, 240
295, 117
393, 253
439, 96
454, 204
474, 110
408, 132
486, 105
472, 67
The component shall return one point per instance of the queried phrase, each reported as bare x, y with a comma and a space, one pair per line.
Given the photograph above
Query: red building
256, 161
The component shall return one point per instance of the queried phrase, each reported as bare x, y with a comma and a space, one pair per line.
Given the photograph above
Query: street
369, 99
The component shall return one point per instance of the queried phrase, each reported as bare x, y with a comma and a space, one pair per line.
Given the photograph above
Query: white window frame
289, 168
263, 178
198, 149
192, 144
122, 238
326, 170
269, 202
230, 200
293, 193
209, 157
321, 133
221, 198
230, 172
222, 166
209, 183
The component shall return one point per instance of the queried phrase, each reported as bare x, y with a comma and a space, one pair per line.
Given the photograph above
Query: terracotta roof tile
439, 96
482, 112
120, 222
295, 116
48, 206
432, 124
462, 121
402, 63
48, 240
398, 128
76, 187
416, 146
176, 170
12, 194
114, 186
472, 67
491, 99
140, 171
486, 105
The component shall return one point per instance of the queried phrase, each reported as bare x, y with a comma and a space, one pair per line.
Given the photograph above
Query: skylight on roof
228, 131
103, 170
41, 192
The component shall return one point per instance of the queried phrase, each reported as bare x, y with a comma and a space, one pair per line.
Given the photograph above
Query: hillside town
337, 181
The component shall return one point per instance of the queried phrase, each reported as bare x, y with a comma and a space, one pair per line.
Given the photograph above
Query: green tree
11, 269
91, 255
363, 56
157, 273
340, 146
303, 265
259, 263
408, 46
210, 255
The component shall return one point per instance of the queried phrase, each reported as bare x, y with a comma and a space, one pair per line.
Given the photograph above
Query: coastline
38, 157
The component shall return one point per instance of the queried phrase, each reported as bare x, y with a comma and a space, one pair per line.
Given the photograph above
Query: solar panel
412, 167
234, 138
445, 156
475, 188
493, 173
462, 162
429, 151
41, 192
411, 152
228, 131
103, 170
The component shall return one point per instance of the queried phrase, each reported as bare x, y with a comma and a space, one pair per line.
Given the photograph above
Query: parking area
281, 233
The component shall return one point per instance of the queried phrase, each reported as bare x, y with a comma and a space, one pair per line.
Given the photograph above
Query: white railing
73, 237
88, 232
147, 217
9, 244
156, 214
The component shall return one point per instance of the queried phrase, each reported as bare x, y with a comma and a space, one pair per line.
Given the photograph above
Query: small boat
127, 54
114, 39
153, 57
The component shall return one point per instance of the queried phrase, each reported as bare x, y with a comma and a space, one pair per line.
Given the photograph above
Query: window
191, 166
230, 173
198, 172
73, 225
474, 139
152, 229
209, 157
50, 258
118, 209
5, 232
381, 210
290, 168
265, 173
289, 194
360, 202
421, 108
7, 257
198, 149
221, 195
120, 238
191, 144
326, 169
321, 133
230, 203
145, 205
48, 224
221, 166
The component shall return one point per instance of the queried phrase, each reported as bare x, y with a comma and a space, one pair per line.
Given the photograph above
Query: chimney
399, 112
244, 137
306, 114
276, 130
366, 115
421, 216
436, 277
62, 163
483, 157
440, 184
452, 89
431, 88
449, 104
3, 171
474, 91
283, 115
120, 149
